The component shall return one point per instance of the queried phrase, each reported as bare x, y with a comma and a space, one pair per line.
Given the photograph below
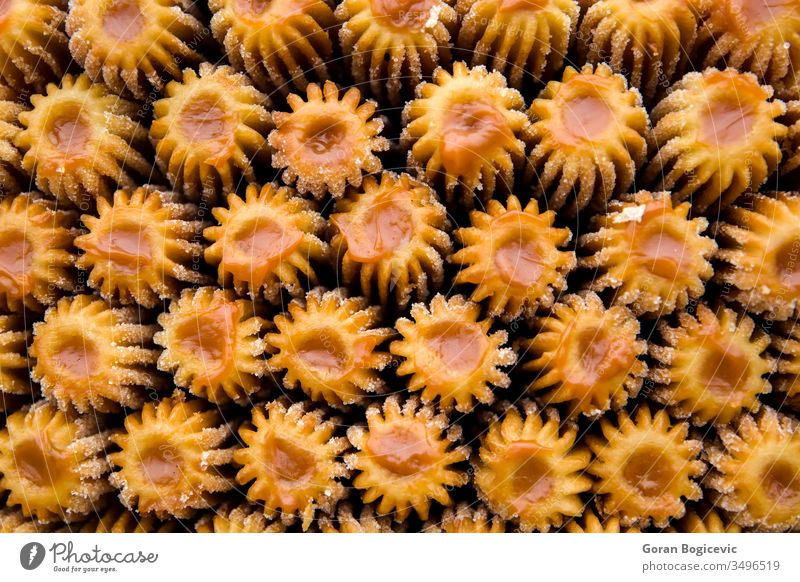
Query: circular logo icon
31, 555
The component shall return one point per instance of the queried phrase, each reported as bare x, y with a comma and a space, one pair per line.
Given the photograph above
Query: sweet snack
12, 177
588, 522
587, 139
651, 42
267, 242
716, 135
53, 464
134, 45
406, 457
785, 338
585, 355
92, 357
760, 36
390, 45
36, 255
712, 366
12, 520
329, 347
649, 252
279, 43
526, 40
706, 520
243, 518
451, 356
210, 131
514, 258
15, 381
645, 467
212, 345
791, 145
116, 518
466, 519
391, 234
530, 469
759, 254
345, 522
33, 46
462, 132
142, 247
326, 143
756, 471
81, 142
290, 461
170, 458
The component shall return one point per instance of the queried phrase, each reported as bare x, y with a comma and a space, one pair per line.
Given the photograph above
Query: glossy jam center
757, 13
660, 252
533, 478
69, 131
16, 255
598, 355
288, 462
408, 14
209, 335
5, 8
402, 449
586, 117
36, 466
263, 240
161, 466
123, 20
386, 227
521, 5
322, 142
649, 472
727, 121
76, 356
324, 353
470, 132
782, 482
252, 7
724, 367
787, 263
204, 120
518, 261
459, 347
125, 245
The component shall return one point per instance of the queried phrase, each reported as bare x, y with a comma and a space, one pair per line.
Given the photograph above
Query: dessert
466, 519
12, 176
243, 518
345, 522
588, 522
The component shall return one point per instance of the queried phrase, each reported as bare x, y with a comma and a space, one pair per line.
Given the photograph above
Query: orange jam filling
648, 472
517, 257
404, 14
757, 14
16, 255
77, 356
727, 120
262, 244
37, 466
203, 119
655, 248
324, 353
522, 5
387, 227
69, 131
288, 462
469, 130
209, 335
787, 264
782, 482
533, 478
586, 118
319, 140
402, 449
459, 347
593, 355
125, 244
160, 466
123, 20
724, 367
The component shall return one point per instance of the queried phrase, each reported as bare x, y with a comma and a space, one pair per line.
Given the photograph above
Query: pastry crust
390, 45
326, 143
290, 462
328, 345
267, 242
12, 177
406, 457
588, 522
587, 139
118, 519
281, 44
514, 258
462, 132
785, 337
81, 142
451, 356
391, 235
790, 165
15, 380
210, 132
716, 135
526, 40
466, 518
713, 366
170, 458
530, 470
645, 468
212, 345
243, 518
143, 247
132, 45
707, 520
649, 252
53, 464
368, 521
